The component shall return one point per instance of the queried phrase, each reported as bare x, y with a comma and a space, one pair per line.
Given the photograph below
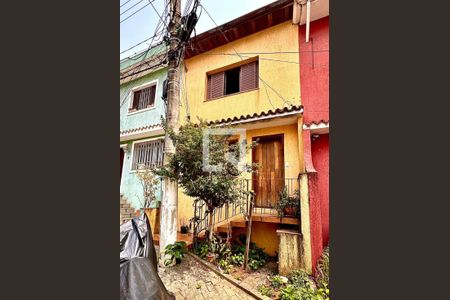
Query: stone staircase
126, 211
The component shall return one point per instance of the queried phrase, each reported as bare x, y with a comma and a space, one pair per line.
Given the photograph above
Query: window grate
148, 154
144, 98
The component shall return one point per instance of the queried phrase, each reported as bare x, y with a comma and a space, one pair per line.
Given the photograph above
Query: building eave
259, 117
318, 127
267, 16
141, 132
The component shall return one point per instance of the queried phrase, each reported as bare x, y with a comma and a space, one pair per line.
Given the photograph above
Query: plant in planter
288, 205
184, 227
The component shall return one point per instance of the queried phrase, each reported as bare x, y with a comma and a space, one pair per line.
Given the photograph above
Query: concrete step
237, 223
127, 212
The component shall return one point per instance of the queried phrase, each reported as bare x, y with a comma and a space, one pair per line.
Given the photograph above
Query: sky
142, 24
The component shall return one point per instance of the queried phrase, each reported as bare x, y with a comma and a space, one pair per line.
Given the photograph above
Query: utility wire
160, 18
140, 43
157, 32
125, 3
242, 55
186, 7
131, 7
134, 13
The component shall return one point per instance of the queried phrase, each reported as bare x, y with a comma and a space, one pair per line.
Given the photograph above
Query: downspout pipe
308, 18
297, 14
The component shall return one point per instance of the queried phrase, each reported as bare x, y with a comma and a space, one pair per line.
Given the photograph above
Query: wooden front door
268, 181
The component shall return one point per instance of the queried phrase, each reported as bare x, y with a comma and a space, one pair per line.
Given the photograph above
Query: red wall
314, 70
320, 156
314, 90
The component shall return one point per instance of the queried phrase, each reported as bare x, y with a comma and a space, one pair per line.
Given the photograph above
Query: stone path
252, 280
192, 280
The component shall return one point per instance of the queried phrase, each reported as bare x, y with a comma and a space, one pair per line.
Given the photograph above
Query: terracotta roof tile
324, 122
248, 117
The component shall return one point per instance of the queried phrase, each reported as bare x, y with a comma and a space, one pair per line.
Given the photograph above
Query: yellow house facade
218, 87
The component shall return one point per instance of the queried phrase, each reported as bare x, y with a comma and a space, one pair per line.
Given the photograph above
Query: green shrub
219, 248
299, 286
225, 266
301, 279
201, 250
237, 259
256, 256
323, 269
290, 292
175, 252
265, 290
278, 281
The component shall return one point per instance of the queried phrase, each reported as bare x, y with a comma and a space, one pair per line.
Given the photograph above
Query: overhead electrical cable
134, 13
124, 3
131, 7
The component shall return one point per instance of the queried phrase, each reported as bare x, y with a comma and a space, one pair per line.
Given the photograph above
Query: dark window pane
232, 81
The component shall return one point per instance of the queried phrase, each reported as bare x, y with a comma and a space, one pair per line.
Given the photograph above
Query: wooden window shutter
136, 97
208, 86
216, 85
249, 76
152, 95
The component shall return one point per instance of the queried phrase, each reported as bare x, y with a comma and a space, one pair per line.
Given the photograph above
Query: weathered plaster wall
281, 76
314, 77
320, 149
147, 117
314, 71
130, 186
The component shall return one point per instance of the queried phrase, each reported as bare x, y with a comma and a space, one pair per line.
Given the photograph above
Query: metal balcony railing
267, 194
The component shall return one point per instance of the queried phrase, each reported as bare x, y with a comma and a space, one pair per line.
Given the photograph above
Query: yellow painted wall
291, 161
263, 235
185, 208
281, 76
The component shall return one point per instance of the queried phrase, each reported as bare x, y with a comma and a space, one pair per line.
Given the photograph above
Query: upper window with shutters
143, 97
232, 80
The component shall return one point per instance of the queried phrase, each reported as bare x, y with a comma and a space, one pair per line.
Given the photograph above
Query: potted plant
184, 227
288, 205
210, 257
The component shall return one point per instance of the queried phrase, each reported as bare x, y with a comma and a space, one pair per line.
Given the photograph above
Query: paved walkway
192, 280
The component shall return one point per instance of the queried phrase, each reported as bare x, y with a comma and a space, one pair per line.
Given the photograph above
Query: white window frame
141, 87
132, 150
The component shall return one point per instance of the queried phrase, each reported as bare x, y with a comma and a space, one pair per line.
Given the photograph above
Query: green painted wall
147, 117
130, 186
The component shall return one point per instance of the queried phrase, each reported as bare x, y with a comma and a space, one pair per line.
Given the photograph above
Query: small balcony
275, 200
